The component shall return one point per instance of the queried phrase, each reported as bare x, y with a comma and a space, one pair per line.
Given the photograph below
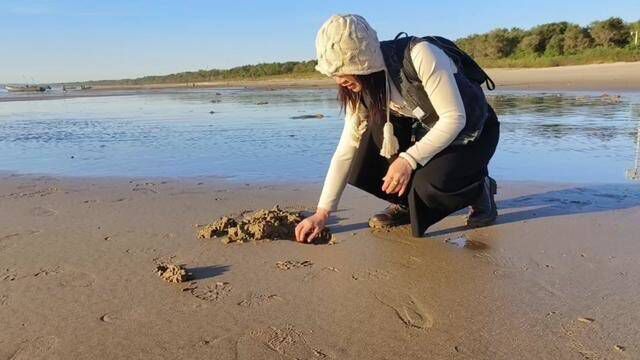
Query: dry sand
557, 278
597, 77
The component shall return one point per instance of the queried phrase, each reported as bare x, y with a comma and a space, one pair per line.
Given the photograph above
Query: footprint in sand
212, 292
254, 300
292, 264
30, 194
122, 315
38, 348
5, 240
8, 274
502, 263
4, 299
371, 274
8, 237
75, 279
321, 273
40, 211
48, 271
287, 342
144, 251
411, 312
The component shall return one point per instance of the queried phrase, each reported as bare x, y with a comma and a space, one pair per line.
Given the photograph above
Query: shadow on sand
572, 201
206, 272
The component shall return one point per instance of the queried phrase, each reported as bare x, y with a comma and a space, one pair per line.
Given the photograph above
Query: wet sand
556, 278
618, 77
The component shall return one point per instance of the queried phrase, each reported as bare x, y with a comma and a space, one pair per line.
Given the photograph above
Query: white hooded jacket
347, 45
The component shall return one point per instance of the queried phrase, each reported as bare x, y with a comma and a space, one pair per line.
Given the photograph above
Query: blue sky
65, 40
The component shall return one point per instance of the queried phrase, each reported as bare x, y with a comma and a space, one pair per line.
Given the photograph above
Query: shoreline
551, 279
611, 77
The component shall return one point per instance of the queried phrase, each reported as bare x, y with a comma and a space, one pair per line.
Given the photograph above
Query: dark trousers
450, 181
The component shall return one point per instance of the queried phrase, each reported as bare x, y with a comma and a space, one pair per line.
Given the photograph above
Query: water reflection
556, 104
248, 134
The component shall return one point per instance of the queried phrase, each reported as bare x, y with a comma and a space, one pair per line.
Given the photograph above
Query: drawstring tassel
390, 143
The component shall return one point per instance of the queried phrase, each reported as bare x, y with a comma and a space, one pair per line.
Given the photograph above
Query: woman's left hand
398, 177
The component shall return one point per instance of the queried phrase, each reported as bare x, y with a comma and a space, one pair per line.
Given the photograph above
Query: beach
613, 77
98, 190
555, 278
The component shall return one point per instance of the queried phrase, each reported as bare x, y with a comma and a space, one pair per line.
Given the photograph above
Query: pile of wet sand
273, 224
171, 273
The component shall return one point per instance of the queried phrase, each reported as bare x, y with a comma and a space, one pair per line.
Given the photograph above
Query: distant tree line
289, 68
552, 44
601, 41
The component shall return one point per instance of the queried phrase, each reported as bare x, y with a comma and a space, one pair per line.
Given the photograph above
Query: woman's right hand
309, 228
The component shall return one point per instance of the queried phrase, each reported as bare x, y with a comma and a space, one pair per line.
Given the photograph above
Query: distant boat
26, 88
75, 87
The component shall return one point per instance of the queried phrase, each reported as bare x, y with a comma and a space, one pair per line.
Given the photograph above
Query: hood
348, 45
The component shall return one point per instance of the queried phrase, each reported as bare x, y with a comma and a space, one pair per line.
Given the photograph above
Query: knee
426, 181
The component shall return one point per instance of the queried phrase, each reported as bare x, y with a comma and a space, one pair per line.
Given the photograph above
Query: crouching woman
418, 131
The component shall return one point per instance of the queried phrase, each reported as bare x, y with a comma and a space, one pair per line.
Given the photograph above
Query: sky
73, 40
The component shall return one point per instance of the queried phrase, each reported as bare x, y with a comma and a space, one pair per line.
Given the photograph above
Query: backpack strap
400, 34
462, 60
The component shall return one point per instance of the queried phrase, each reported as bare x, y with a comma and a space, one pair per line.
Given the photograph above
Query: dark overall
453, 178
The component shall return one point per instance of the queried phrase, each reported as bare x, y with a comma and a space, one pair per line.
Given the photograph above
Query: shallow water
574, 137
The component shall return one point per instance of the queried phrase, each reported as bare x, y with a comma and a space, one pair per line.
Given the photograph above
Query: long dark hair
373, 96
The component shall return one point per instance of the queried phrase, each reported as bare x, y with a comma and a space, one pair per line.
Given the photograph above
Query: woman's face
348, 81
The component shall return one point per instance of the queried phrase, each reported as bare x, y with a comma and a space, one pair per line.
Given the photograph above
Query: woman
418, 131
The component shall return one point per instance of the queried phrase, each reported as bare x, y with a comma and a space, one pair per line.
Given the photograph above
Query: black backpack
463, 61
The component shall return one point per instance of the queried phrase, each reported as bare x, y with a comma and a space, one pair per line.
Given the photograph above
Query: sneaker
484, 211
393, 215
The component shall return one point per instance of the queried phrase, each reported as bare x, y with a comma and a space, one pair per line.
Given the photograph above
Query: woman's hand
398, 177
310, 227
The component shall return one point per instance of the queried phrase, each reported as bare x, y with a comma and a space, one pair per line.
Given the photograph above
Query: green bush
555, 46
576, 39
612, 32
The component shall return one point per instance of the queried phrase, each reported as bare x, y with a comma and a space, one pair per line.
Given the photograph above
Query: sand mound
274, 224
172, 273
219, 228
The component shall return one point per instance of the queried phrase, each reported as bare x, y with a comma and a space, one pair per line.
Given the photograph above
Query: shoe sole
493, 187
378, 225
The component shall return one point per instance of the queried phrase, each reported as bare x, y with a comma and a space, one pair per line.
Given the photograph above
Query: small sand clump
172, 273
273, 224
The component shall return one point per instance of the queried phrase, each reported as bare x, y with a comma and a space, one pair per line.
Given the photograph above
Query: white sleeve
435, 70
336, 178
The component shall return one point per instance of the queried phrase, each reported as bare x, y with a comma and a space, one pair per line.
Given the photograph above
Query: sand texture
557, 277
